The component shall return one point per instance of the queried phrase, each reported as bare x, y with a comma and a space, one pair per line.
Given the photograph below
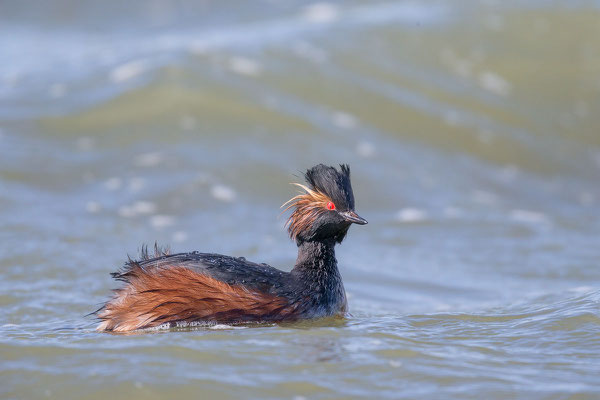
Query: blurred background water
472, 131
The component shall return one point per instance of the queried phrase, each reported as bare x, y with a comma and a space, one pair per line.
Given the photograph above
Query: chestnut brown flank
176, 294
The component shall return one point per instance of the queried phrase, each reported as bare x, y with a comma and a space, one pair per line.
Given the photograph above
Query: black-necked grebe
212, 288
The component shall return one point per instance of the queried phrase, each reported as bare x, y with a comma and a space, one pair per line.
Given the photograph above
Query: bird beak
351, 216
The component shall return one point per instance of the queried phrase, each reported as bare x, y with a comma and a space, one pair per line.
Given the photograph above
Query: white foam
144, 207
201, 324
57, 90
180, 236
528, 216
128, 71
221, 327
494, 83
581, 289
245, 66
320, 13
126, 212
223, 193
138, 208
308, 51
199, 47
161, 327
148, 159
408, 215
93, 207
85, 143
452, 117
136, 184
461, 67
344, 120
365, 149
483, 197
113, 183
161, 221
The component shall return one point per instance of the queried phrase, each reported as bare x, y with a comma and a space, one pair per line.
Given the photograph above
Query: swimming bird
205, 288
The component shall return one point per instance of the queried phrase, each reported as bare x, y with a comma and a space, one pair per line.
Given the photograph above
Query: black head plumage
333, 183
326, 209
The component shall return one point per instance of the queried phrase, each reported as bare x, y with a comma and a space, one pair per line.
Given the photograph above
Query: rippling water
472, 133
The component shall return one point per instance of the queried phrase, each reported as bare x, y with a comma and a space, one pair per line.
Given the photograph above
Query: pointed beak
351, 216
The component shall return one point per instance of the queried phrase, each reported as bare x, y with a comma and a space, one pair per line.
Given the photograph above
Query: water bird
204, 288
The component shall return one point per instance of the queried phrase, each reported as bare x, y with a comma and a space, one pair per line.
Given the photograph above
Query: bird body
184, 288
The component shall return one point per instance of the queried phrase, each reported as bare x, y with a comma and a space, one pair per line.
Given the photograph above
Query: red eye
330, 206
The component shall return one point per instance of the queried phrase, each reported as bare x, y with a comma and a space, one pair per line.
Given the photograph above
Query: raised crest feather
324, 185
307, 207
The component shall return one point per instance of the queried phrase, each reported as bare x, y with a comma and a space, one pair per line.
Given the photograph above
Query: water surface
472, 132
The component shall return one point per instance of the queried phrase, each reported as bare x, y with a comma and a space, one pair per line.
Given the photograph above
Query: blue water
472, 134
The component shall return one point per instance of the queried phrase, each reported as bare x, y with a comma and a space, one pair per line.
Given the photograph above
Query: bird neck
316, 261
321, 291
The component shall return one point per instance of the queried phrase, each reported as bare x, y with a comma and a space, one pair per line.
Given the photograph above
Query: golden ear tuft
308, 204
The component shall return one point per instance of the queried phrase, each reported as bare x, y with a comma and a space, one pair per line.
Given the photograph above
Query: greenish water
472, 131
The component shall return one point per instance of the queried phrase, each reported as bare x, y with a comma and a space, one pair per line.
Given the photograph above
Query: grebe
179, 289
